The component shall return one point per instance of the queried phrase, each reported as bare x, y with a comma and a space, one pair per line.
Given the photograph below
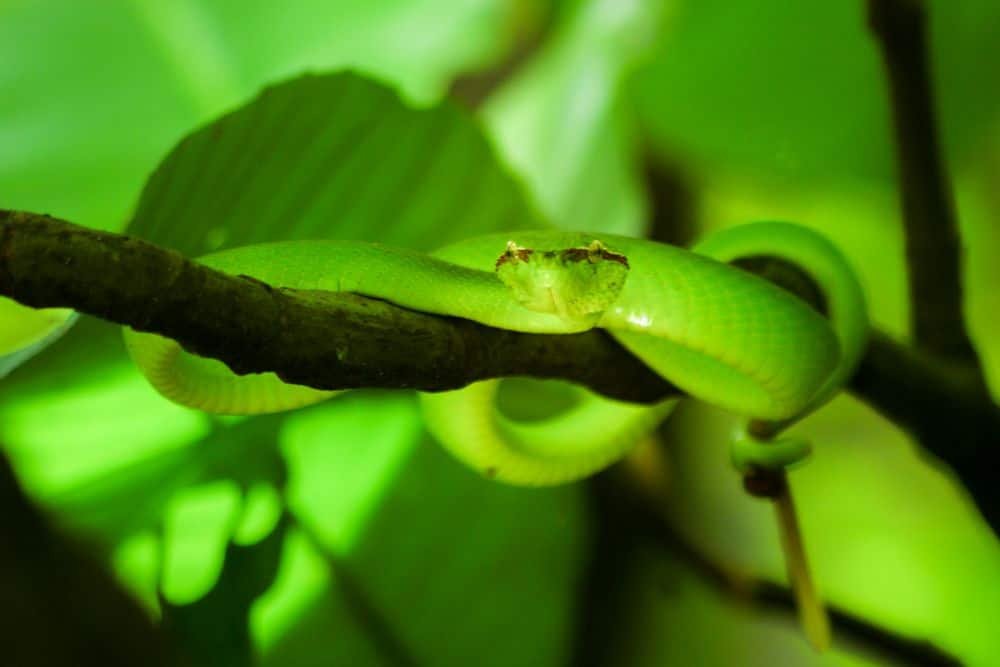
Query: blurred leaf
304, 619
132, 498
25, 332
979, 205
676, 619
214, 630
450, 552
343, 456
442, 548
91, 423
86, 347
197, 524
95, 97
564, 122
882, 527
262, 508
795, 92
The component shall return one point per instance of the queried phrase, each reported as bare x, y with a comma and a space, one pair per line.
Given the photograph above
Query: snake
719, 333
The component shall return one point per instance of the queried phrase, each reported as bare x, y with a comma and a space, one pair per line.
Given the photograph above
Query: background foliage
341, 534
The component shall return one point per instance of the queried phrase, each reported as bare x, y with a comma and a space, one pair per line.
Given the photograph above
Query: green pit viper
719, 333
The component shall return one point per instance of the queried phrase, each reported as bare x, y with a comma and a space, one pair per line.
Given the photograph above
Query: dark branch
673, 205
944, 407
936, 393
321, 339
932, 246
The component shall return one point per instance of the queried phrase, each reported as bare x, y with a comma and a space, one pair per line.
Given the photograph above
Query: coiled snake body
722, 335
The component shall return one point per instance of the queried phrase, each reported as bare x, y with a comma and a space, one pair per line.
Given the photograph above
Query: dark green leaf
333, 156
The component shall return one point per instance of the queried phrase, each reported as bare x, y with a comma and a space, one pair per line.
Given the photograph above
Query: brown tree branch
321, 339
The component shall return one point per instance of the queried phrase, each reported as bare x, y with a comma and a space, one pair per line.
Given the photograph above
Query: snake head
577, 284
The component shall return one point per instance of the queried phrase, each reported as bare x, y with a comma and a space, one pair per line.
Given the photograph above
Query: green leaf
564, 120
26, 332
131, 498
332, 156
214, 630
795, 92
442, 548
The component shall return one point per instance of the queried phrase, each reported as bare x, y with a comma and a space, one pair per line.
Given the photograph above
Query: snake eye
513, 253
595, 251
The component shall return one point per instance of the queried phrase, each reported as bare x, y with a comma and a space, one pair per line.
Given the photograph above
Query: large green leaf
96, 94
333, 156
448, 561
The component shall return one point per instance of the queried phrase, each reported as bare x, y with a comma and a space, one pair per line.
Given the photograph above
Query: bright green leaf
198, 523
564, 121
